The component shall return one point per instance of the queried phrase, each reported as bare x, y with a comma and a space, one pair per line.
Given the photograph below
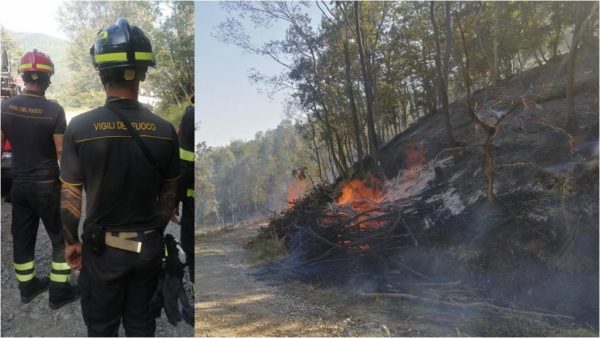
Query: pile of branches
317, 231
343, 233
304, 210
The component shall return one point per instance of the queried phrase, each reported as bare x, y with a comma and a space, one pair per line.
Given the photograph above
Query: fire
360, 204
296, 186
358, 198
360, 195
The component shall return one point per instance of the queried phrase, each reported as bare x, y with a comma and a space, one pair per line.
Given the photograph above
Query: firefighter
186, 186
127, 160
34, 126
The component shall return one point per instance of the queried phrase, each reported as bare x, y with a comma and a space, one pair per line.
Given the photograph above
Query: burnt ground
526, 265
232, 301
36, 318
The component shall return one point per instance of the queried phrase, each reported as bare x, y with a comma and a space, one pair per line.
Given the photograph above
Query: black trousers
187, 233
32, 201
118, 285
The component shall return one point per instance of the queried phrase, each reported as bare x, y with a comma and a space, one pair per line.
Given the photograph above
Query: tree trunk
488, 159
316, 146
373, 144
443, 85
350, 93
449, 43
580, 16
336, 161
342, 153
557, 30
494, 70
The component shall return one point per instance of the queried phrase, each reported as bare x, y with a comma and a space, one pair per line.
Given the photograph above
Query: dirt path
36, 318
230, 301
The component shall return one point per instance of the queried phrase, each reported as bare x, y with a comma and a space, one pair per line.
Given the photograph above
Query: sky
228, 106
17, 16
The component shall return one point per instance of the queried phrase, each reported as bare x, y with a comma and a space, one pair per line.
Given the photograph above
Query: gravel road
36, 318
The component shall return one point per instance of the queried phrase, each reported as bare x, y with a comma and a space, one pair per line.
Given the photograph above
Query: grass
212, 233
265, 250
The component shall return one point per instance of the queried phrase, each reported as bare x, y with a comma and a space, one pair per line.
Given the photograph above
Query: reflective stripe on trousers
60, 272
24, 271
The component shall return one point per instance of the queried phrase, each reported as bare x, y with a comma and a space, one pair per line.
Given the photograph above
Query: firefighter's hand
73, 255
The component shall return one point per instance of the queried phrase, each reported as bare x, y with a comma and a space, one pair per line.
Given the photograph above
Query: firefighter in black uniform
35, 127
186, 186
129, 199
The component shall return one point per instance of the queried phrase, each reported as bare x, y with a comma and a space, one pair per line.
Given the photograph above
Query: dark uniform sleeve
186, 155
173, 165
186, 141
61, 122
70, 169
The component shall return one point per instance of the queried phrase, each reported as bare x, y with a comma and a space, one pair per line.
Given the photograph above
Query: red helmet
35, 61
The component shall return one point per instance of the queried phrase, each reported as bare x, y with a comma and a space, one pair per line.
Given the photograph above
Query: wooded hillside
369, 70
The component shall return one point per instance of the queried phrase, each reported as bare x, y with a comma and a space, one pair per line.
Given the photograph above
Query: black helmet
121, 45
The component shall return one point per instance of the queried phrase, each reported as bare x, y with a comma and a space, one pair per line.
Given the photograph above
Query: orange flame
362, 196
357, 191
365, 196
296, 188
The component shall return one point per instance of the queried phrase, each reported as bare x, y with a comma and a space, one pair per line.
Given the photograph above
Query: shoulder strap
134, 134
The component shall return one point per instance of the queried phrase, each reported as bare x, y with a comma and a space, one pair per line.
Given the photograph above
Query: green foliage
169, 26
206, 203
173, 79
13, 47
172, 112
503, 39
248, 179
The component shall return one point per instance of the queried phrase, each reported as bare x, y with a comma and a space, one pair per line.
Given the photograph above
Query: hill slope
536, 247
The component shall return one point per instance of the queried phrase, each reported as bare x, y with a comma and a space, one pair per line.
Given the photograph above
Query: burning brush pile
423, 235
336, 232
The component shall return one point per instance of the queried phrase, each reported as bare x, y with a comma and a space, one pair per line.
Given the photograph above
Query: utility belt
97, 238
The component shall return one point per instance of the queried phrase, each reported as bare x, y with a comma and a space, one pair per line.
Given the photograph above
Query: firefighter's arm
70, 212
59, 130
58, 144
167, 199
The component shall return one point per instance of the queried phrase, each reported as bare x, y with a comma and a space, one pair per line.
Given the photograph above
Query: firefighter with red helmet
34, 126
127, 160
